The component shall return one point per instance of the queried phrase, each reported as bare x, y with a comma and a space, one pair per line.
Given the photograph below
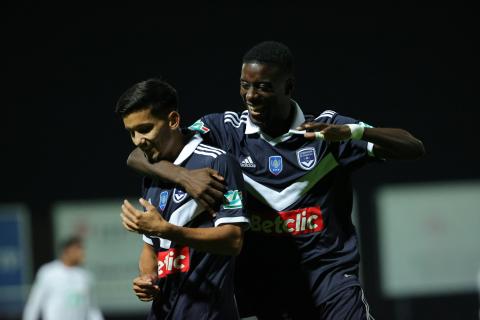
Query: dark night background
64, 67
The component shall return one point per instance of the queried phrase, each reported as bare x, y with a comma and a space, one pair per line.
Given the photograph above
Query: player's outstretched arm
389, 143
205, 185
393, 143
226, 239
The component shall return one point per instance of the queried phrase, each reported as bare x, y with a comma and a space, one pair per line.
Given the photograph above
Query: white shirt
61, 292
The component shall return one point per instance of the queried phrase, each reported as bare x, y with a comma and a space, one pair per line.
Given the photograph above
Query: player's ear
289, 86
174, 120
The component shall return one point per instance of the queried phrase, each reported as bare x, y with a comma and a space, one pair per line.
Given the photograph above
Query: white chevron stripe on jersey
285, 198
326, 114
181, 217
208, 148
211, 154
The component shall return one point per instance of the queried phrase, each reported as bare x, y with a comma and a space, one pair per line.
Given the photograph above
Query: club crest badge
275, 164
163, 200
179, 195
307, 158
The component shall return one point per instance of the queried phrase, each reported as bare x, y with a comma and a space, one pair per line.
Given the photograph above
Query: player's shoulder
229, 121
214, 157
206, 151
326, 116
236, 120
333, 117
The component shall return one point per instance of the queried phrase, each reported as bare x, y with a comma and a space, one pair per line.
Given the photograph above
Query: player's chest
289, 159
168, 200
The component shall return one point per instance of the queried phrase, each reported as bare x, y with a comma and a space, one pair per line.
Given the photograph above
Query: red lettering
294, 222
173, 260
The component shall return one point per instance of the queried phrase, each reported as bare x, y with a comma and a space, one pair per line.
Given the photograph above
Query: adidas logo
248, 163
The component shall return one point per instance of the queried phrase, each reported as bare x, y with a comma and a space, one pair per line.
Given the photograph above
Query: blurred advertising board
429, 238
15, 258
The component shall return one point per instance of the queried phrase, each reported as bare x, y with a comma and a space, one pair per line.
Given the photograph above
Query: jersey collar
299, 118
188, 149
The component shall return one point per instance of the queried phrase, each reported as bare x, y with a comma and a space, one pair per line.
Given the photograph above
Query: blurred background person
63, 288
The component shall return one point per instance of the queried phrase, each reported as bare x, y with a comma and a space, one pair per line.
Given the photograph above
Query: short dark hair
70, 242
154, 93
271, 52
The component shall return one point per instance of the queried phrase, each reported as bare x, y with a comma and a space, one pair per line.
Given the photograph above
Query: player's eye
244, 85
264, 86
144, 129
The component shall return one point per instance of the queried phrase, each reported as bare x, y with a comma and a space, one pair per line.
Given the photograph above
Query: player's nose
138, 139
250, 94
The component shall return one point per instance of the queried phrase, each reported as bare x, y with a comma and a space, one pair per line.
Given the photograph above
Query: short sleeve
212, 128
350, 153
233, 208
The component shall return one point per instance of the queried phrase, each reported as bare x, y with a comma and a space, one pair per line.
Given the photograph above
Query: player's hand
205, 185
328, 132
149, 222
145, 288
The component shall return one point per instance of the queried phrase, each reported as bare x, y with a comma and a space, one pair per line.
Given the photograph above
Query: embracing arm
164, 170
225, 239
205, 185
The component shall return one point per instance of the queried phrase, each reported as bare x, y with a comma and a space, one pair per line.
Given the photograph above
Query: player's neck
181, 139
281, 123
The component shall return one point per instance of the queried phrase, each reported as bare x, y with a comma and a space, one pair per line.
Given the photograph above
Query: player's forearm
393, 143
226, 239
147, 263
164, 170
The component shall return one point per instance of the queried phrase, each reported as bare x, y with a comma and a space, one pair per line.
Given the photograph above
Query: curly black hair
271, 52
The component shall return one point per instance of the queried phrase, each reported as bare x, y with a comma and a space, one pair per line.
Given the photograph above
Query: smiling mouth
256, 114
255, 109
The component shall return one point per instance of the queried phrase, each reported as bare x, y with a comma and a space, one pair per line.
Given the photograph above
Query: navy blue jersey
194, 284
300, 202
